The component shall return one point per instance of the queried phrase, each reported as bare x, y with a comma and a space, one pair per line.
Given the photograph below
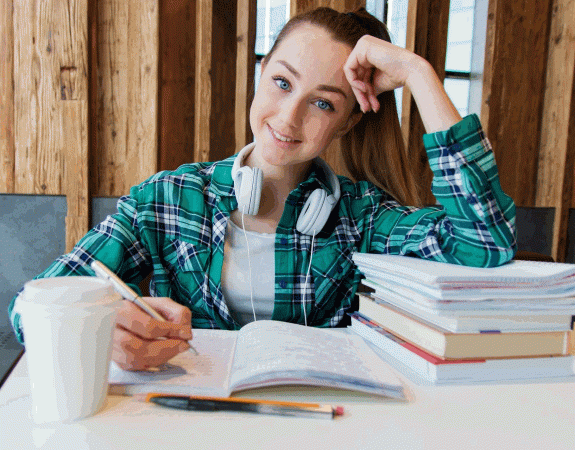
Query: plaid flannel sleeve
474, 223
115, 242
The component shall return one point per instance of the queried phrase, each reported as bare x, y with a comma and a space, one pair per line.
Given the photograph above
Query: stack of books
449, 323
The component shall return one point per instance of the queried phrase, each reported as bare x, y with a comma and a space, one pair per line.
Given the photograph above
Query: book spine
422, 335
391, 346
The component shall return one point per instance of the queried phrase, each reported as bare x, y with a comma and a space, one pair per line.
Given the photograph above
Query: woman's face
303, 99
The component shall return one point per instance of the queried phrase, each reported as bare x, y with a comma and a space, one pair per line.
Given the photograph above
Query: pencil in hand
129, 294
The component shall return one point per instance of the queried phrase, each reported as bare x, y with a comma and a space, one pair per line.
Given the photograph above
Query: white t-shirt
235, 273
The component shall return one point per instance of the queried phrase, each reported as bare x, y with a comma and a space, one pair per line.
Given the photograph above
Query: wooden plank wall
6, 98
177, 80
126, 97
50, 104
527, 105
555, 187
97, 96
427, 22
514, 78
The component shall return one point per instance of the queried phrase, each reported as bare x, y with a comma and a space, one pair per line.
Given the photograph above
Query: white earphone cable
307, 277
249, 265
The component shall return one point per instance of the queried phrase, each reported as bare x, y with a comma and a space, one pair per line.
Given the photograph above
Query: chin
275, 158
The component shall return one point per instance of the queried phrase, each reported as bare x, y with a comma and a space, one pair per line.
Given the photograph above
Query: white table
538, 415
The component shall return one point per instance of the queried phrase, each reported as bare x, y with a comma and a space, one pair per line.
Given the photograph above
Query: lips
282, 137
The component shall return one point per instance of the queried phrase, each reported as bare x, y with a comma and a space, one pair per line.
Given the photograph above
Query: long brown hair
373, 149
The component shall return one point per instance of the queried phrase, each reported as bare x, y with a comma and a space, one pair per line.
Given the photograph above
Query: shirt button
282, 284
339, 269
283, 241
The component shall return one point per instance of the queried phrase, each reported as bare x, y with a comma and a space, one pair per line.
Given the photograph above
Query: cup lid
69, 291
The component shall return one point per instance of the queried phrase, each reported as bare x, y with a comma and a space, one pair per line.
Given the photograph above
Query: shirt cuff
466, 138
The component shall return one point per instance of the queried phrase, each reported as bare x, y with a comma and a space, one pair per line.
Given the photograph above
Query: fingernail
183, 346
185, 334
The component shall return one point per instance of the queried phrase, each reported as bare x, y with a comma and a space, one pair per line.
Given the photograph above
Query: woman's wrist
435, 108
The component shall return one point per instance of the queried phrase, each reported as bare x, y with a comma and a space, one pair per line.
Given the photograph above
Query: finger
130, 352
360, 85
179, 315
132, 318
362, 100
372, 98
160, 352
171, 310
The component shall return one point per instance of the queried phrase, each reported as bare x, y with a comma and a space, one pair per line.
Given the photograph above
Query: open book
265, 353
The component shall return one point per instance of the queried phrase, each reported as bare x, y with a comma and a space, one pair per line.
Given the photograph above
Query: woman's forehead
310, 48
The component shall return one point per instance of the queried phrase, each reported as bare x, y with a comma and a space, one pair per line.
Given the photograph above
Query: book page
187, 374
273, 353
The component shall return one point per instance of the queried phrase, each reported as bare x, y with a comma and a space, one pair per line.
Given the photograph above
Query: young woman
269, 233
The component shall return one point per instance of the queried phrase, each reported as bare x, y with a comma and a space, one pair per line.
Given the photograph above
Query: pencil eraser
338, 411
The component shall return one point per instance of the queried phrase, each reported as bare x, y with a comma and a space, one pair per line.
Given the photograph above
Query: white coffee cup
68, 324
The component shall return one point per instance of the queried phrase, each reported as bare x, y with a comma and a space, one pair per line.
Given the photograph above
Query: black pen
295, 409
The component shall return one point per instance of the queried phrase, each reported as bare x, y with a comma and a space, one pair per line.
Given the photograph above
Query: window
459, 50
462, 49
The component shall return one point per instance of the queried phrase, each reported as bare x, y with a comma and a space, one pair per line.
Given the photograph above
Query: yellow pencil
194, 403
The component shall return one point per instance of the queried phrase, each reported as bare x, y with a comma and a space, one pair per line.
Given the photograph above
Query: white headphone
248, 186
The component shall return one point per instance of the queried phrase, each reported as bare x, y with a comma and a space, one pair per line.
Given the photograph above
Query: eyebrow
321, 87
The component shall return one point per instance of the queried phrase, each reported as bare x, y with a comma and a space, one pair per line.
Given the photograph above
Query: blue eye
323, 105
282, 83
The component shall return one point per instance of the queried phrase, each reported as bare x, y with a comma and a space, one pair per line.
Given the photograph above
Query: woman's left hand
375, 66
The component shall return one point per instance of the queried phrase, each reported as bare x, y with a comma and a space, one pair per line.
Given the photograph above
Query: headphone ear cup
257, 181
248, 187
315, 213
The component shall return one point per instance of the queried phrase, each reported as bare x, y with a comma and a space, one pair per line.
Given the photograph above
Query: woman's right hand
141, 342
375, 66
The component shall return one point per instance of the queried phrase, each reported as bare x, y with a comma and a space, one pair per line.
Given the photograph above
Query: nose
292, 110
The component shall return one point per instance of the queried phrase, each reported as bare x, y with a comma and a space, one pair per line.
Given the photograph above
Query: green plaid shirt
173, 225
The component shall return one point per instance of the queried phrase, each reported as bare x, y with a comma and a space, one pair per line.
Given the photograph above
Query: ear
351, 121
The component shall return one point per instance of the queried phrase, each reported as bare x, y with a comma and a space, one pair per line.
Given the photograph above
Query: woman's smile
283, 140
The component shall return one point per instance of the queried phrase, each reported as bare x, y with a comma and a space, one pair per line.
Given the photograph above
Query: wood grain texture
177, 79
76, 183
203, 82
427, 23
557, 145
142, 133
223, 73
49, 68
36, 92
51, 101
6, 97
110, 99
215, 80
300, 6
126, 99
513, 90
245, 69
